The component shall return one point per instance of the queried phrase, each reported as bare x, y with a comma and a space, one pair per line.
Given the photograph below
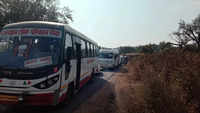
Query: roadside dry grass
167, 82
171, 81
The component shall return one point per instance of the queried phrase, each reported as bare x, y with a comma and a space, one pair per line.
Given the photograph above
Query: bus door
67, 67
78, 72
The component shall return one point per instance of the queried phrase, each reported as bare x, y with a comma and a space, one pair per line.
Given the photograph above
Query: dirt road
85, 93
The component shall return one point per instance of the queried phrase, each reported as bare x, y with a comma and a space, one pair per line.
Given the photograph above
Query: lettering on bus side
31, 32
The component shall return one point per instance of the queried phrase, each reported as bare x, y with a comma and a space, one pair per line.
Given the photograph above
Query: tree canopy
188, 33
33, 10
148, 48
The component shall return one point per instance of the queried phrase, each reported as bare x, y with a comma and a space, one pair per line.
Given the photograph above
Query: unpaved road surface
85, 93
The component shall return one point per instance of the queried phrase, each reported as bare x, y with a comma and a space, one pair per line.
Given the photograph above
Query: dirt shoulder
126, 92
102, 102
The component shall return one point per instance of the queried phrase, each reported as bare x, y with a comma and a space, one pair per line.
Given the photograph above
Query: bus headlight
47, 83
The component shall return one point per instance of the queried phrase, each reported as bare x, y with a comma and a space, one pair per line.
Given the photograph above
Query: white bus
43, 63
108, 58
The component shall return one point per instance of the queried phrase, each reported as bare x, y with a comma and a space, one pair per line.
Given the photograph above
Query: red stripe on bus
62, 97
36, 99
90, 61
84, 81
40, 99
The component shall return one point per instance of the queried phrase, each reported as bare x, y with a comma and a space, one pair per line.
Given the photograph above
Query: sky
114, 23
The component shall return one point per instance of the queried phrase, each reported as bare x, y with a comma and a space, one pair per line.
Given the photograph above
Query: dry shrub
162, 98
171, 81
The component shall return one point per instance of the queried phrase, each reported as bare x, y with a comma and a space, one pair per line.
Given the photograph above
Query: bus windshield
106, 55
21, 52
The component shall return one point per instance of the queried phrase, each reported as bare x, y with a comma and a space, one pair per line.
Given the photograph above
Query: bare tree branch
188, 33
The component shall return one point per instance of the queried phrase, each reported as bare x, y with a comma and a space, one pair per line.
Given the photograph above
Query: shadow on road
120, 69
87, 91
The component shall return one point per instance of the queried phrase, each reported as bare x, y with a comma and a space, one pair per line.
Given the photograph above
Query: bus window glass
83, 52
96, 50
22, 52
106, 55
93, 49
73, 51
68, 46
74, 46
90, 50
86, 49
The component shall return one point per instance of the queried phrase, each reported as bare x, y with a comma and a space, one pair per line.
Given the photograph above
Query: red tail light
55, 69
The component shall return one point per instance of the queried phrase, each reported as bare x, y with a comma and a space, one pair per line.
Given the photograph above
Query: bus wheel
70, 94
92, 75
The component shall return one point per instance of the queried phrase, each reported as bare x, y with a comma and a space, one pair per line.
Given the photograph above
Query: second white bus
108, 58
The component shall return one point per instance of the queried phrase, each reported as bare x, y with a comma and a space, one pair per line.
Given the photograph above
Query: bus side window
93, 48
68, 47
97, 51
73, 48
90, 50
86, 49
83, 52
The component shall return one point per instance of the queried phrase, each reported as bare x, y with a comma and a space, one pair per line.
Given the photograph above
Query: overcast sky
114, 23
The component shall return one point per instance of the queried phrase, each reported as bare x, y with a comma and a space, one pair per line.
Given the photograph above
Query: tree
32, 10
149, 48
180, 39
127, 49
164, 46
188, 33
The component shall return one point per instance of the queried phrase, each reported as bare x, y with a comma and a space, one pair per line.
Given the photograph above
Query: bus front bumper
106, 66
29, 99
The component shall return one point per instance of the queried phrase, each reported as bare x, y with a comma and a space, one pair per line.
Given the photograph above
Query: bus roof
55, 25
114, 51
34, 23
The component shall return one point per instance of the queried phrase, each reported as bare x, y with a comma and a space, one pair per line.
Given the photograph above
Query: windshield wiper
4, 67
34, 70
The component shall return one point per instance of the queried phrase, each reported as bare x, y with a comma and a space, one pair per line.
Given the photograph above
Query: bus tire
113, 68
92, 75
71, 93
